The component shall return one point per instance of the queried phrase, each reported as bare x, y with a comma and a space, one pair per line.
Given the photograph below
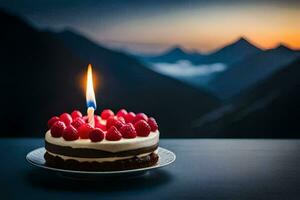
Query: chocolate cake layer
131, 163
94, 153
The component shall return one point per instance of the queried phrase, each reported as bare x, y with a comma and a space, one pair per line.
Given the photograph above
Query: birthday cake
115, 142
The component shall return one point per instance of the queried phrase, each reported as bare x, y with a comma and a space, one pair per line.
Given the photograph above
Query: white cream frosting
110, 159
105, 145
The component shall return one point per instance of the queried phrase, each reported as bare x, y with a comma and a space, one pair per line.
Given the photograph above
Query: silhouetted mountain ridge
39, 71
173, 55
270, 109
250, 70
283, 47
176, 50
232, 53
228, 54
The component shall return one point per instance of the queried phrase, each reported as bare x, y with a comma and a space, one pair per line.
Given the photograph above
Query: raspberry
57, 129
121, 119
118, 124
113, 121
142, 128
113, 134
70, 133
152, 123
128, 131
140, 116
96, 135
66, 118
122, 113
78, 122
75, 114
97, 119
52, 121
129, 117
106, 114
84, 131
85, 118
109, 122
101, 126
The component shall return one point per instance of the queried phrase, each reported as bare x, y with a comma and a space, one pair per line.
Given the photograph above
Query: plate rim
100, 172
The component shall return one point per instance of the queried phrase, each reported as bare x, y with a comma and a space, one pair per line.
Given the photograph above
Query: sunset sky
152, 26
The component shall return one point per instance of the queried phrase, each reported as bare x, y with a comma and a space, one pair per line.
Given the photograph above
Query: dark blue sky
151, 26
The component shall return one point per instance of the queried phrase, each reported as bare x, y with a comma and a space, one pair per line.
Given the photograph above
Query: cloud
185, 69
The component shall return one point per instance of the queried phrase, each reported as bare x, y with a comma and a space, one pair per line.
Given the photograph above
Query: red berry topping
84, 131
113, 134
78, 122
52, 121
113, 121
128, 131
70, 133
122, 113
106, 114
142, 128
140, 116
129, 117
121, 119
57, 129
101, 126
118, 124
96, 135
152, 123
110, 121
75, 114
85, 118
66, 118
97, 119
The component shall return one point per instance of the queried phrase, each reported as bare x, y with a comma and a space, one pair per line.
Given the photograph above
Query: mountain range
259, 89
252, 69
228, 54
243, 66
42, 72
172, 55
270, 109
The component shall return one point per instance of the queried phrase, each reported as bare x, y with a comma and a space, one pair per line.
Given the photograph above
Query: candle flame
90, 94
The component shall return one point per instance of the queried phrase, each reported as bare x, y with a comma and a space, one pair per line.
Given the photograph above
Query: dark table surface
204, 169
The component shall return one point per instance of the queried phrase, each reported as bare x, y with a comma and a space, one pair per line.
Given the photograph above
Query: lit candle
90, 97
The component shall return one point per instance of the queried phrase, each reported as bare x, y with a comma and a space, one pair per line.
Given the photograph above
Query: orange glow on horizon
209, 28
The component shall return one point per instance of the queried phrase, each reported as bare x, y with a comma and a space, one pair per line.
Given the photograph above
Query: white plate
36, 158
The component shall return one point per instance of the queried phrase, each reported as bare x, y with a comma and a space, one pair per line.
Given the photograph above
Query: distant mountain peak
282, 46
241, 45
242, 41
237, 46
177, 49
